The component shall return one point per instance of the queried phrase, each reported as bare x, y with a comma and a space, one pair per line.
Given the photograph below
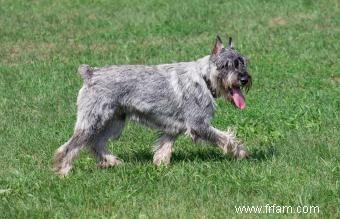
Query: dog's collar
208, 83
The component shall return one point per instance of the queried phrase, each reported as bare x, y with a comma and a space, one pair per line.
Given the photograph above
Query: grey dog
172, 98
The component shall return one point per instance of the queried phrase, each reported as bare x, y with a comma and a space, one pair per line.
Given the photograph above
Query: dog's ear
218, 46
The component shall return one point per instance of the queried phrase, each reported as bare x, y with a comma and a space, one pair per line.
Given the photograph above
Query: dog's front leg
226, 140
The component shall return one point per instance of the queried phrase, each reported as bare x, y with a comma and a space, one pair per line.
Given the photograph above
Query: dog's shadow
264, 154
208, 154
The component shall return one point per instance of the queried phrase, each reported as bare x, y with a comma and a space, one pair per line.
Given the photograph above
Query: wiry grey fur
172, 98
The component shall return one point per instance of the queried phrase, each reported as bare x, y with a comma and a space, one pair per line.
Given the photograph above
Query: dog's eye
241, 60
236, 63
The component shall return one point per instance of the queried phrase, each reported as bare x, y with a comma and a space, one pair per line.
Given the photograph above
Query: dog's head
231, 75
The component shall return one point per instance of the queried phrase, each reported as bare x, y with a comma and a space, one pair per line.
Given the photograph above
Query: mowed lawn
291, 124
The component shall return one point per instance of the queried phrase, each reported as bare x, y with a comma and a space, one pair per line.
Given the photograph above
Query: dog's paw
109, 161
242, 154
61, 166
161, 159
62, 170
161, 162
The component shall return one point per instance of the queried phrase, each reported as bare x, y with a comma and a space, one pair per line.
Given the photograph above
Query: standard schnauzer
172, 98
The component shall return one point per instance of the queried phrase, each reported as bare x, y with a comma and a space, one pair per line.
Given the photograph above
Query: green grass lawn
291, 124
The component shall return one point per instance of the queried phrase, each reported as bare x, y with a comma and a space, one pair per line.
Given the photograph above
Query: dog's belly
168, 124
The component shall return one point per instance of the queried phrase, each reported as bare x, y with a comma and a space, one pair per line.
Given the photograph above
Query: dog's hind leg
64, 155
113, 130
163, 149
91, 119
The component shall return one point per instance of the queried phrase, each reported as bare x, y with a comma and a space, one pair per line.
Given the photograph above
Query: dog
174, 99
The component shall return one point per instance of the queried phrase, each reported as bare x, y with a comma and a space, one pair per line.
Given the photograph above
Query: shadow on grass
264, 153
206, 154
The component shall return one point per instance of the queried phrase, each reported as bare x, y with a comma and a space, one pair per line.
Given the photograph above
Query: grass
291, 124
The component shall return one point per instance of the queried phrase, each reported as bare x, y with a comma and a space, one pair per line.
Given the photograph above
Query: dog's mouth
236, 97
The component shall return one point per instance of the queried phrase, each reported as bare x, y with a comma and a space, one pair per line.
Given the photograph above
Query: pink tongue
238, 99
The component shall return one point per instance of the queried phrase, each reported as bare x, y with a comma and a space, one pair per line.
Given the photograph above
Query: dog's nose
244, 80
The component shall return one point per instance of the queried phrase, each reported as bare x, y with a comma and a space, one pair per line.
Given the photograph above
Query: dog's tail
85, 71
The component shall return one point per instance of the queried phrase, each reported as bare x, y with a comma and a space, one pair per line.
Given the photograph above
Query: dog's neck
207, 70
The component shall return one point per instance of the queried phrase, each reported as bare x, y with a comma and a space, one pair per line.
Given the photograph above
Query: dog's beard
231, 91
